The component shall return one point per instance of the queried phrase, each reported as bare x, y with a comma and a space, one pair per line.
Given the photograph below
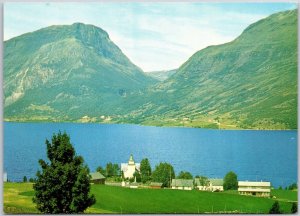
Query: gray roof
216, 182
96, 176
158, 184
182, 183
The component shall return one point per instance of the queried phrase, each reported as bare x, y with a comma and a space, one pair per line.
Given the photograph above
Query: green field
18, 199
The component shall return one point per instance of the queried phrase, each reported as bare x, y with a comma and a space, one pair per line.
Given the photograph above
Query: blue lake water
253, 155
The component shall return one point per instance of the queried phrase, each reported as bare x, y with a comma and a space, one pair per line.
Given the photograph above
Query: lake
252, 155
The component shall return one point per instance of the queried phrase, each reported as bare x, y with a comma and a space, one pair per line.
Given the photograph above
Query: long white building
254, 188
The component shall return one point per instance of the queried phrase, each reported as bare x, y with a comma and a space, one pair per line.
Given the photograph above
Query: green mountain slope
250, 82
75, 73
161, 75
64, 73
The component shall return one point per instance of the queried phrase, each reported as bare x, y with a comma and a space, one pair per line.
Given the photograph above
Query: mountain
161, 75
76, 73
250, 82
64, 73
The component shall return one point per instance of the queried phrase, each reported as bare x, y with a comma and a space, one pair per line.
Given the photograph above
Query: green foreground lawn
18, 199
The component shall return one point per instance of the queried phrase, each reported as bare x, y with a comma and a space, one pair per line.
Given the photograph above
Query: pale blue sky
155, 36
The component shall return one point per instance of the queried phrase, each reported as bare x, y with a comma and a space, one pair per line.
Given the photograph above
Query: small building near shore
130, 168
215, 185
210, 185
97, 178
4, 177
156, 185
182, 184
262, 189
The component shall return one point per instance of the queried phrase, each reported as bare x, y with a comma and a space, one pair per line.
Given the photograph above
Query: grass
18, 199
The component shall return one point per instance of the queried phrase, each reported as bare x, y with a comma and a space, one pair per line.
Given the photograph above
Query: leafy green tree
24, 179
230, 181
31, 180
294, 208
185, 175
203, 180
293, 186
63, 185
137, 176
101, 170
112, 169
163, 173
275, 209
145, 170
116, 170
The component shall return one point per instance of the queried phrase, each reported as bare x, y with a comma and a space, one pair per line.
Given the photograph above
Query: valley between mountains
75, 73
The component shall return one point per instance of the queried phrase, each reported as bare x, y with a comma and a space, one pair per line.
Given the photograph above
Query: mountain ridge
239, 84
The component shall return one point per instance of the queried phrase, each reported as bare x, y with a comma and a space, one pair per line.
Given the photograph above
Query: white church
130, 168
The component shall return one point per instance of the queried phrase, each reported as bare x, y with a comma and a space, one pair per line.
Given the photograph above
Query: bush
275, 209
293, 186
294, 208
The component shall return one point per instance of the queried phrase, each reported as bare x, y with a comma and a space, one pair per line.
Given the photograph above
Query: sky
154, 36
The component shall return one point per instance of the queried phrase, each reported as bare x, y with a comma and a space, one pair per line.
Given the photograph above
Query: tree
275, 209
24, 179
294, 208
112, 169
101, 170
185, 175
63, 185
203, 181
230, 181
163, 173
137, 176
145, 169
293, 186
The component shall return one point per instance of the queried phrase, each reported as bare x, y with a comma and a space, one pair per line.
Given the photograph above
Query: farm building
156, 185
254, 188
211, 185
182, 184
97, 178
130, 168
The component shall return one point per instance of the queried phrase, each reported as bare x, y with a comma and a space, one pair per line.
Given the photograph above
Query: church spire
131, 161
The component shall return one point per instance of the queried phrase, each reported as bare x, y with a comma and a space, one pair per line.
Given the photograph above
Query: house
262, 189
97, 178
201, 184
156, 185
130, 168
4, 177
209, 185
182, 184
215, 185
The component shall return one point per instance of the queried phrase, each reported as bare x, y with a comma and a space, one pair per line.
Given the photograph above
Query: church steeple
131, 161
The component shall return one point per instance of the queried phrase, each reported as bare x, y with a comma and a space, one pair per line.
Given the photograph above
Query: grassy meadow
18, 199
